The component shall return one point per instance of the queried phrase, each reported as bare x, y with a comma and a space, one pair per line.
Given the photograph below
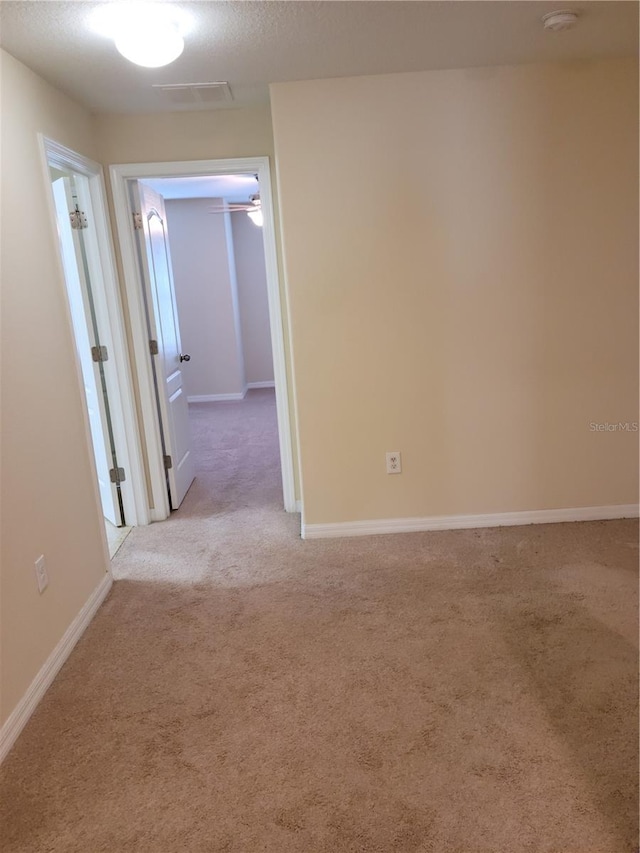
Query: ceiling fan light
256, 217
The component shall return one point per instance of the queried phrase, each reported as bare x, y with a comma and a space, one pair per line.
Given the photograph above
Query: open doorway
214, 229
217, 253
171, 377
79, 216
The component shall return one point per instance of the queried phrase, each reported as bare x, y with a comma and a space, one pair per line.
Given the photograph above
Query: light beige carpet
242, 690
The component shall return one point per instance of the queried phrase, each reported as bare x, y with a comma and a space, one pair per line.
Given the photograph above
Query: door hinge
117, 475
137, 221
168, 462
78, 219
99, 354
153, 347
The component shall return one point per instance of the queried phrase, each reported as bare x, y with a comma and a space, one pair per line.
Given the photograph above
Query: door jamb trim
124, 418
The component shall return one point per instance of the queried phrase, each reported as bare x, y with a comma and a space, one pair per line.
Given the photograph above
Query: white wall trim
120, 175
269, 383
134, 296
458, 522
216, 398
107, 295
26, 706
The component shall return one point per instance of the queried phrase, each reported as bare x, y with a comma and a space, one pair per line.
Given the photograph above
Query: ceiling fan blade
232, 208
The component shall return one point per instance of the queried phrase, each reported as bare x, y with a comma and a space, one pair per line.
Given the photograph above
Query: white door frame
120, 174
109, 310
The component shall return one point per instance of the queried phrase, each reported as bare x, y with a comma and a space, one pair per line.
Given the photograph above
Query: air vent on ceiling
195, 93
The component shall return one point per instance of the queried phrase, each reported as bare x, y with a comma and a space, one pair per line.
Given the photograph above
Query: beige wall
197, 135
248, 247
206, 292
49, 500
463, 287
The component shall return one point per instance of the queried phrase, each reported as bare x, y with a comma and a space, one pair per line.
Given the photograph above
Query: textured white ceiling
251, 44
235, 188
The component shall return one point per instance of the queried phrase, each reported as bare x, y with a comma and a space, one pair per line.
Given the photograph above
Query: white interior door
77, 289
164, 328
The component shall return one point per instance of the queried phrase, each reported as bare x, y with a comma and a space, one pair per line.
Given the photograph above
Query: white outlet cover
41, 574
394, 462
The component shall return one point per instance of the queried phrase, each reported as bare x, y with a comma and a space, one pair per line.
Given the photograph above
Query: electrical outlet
394, 462
41, 574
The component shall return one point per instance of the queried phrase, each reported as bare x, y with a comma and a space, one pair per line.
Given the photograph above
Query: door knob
185, 357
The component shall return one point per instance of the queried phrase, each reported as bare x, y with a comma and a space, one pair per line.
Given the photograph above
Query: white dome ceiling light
562, 20
147, 34
152, 44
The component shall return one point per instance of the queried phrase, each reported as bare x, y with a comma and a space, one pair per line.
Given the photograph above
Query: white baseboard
237, 395
216, 398
22, 712
457, 522
298, 506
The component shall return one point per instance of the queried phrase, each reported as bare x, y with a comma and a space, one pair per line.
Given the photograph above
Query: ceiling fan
253, 204
253, 208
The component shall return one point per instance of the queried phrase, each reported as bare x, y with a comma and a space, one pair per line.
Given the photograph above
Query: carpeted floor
241, 690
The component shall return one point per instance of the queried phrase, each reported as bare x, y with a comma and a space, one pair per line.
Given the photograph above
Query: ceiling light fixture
562, 20
256, 217
152, 44
148, 34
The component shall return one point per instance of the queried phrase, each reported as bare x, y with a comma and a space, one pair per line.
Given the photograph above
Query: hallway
236, 452
237, 490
